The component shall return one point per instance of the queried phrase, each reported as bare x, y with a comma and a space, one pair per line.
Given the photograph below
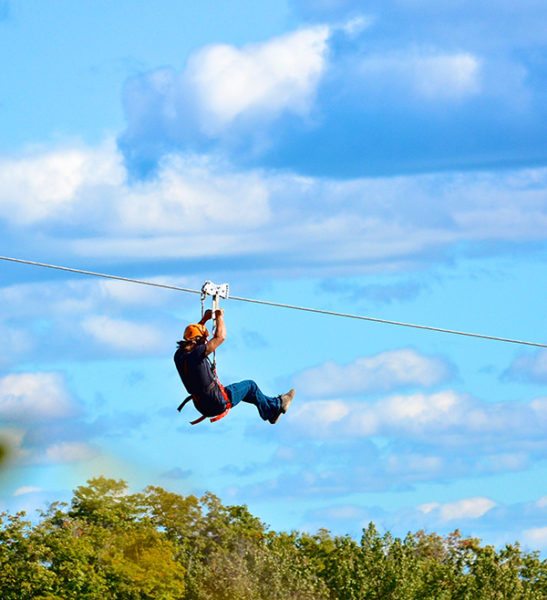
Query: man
210, 397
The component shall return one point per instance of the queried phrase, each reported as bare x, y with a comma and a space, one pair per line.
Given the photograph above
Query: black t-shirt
198, 378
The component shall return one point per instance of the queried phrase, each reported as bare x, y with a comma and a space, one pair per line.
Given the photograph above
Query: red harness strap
218, 417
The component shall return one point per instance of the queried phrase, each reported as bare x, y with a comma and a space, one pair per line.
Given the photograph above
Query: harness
210, 387
217, 291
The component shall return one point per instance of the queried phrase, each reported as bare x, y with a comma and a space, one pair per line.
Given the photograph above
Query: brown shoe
273, 420
286, 399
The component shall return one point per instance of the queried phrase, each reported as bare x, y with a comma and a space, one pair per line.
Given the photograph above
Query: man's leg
247, 391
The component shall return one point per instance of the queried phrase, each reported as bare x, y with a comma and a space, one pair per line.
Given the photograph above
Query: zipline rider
210, 397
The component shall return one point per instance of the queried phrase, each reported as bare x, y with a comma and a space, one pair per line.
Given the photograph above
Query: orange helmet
195, 330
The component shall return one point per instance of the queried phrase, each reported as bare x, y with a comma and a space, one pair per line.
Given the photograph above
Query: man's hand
220, 332
206, 316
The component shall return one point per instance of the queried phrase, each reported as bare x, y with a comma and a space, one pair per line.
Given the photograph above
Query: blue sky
386, 159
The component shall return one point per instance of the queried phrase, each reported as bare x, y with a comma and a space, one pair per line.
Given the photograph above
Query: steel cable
280, 305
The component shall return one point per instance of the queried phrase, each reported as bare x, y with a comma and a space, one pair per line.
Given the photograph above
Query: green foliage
157, 545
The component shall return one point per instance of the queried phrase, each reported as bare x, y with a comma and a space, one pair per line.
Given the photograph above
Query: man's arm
219, 335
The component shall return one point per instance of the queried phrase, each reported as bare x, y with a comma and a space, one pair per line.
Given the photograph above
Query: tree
21, 570
109, 544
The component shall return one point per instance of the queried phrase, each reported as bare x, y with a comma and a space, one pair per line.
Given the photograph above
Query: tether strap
184, 402
198, 420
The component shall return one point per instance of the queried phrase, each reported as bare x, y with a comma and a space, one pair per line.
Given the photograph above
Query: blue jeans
248, 391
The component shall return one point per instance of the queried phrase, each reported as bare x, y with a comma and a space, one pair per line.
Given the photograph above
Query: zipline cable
151, 283
280, 305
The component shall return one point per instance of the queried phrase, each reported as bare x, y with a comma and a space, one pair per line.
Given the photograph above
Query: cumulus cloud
259, 79
34, 397
343, 519
402, 441
495, 523
89, 316
15, 342
467, 508
177, 473
531, 367
430, 76
490, 24
49, 185
128, 295
357, 82
191, 196
322, 416
26, 489
381, 293
375, 471
393, 464
121, 334
445, 418
45, 422
89, 187
384, 372
536, 537
68, 452
198, 207
70, 297
224, 88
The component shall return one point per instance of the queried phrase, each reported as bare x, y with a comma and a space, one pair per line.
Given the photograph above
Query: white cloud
225, 243
432, 76
532, 367
446, 419
127, 294
121, 294
88, 187
228, 96
69, 298
199, 207
14, 343
259, 79
355, 517
419, 415
428, 507
120, 334
122, 316
353, 27
318, 417
446, 76
536, 537
68, 452
419, 465
468, 508
28, 489
539, 406
419, 410
386, 371
33, 396
45, 185
192, 196
345, 512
